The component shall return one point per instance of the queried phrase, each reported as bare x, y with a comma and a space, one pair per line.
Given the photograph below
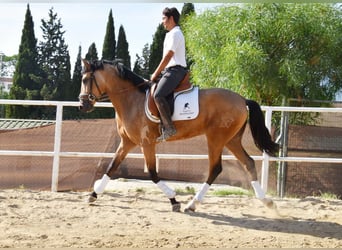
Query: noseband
91, 97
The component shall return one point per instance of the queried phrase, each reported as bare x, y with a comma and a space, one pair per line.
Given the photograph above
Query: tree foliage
8, 65
25, 85
74, 88
54, 59
122, 48
109, 43
141, 66
92, 53
187, 11
268, 51
156, 49
43, 71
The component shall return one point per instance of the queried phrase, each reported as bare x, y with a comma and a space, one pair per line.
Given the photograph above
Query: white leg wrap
200, 194
191, 205
198, 197
259, 193
170, 193
100, 185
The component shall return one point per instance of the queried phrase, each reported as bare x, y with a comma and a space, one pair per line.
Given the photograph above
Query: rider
172, 67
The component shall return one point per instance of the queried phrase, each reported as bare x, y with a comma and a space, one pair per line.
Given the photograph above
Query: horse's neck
128, 104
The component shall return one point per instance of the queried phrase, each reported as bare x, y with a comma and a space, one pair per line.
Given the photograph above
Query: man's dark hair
172, 12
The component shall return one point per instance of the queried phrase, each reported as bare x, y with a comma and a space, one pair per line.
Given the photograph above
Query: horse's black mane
123, 72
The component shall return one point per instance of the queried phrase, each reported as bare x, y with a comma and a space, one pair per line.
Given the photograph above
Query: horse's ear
86, 65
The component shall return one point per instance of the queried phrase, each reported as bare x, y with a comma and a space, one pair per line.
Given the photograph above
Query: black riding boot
168, 128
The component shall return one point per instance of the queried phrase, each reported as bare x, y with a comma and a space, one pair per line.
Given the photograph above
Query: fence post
57, 147
282, 165
265, 161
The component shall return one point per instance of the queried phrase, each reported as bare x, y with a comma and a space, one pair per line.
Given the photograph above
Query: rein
103, 96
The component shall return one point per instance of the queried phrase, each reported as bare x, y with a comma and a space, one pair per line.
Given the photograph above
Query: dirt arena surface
135, 214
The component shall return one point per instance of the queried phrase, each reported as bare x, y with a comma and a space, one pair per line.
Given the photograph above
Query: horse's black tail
260, 133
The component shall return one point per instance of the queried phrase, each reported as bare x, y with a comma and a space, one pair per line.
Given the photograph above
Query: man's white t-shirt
174, 41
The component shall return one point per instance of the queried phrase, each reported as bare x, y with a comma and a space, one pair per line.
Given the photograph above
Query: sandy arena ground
136, 214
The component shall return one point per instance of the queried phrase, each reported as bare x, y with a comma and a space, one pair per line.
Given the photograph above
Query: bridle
91, 97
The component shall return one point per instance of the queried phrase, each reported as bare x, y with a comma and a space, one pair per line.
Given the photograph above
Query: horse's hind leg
236, 148
125, 146
239, 152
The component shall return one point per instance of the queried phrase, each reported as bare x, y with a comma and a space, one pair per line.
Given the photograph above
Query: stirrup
166, 134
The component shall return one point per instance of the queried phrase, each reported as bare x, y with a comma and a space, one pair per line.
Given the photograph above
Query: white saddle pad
186, 106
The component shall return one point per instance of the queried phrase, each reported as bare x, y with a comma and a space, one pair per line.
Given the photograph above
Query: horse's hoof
189, 210
92, 197
269, 203
176, 207
190, 207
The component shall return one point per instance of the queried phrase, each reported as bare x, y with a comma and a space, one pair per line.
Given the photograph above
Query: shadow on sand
284, 225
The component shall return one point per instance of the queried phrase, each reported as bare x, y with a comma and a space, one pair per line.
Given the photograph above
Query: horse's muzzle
86, 105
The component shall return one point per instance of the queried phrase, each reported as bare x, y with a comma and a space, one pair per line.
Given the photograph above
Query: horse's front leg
150, 161
125, 146
198, 198
215, 168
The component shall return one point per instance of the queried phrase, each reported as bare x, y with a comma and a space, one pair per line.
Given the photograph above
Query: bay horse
222, 119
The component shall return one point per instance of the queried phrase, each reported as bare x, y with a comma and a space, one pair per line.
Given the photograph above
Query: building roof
10, 124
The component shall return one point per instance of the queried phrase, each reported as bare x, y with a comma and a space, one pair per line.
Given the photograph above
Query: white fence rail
57, 154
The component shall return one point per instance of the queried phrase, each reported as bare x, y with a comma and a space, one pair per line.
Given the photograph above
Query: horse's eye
85, 80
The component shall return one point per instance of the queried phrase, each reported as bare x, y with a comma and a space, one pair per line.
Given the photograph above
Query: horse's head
89, 94
106, 77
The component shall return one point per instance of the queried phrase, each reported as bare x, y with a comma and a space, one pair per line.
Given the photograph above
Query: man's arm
165, 60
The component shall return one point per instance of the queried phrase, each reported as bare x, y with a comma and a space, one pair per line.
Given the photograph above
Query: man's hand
154, 77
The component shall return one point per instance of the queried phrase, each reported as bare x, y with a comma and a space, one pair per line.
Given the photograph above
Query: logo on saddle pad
186, 105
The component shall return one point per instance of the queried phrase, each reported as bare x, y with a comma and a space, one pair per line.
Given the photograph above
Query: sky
85, 23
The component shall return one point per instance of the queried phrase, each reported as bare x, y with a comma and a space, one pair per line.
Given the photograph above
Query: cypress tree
25, 85
92, 53
156, 49
122, 48
187, 10
74, 88
76, 78
109, 43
